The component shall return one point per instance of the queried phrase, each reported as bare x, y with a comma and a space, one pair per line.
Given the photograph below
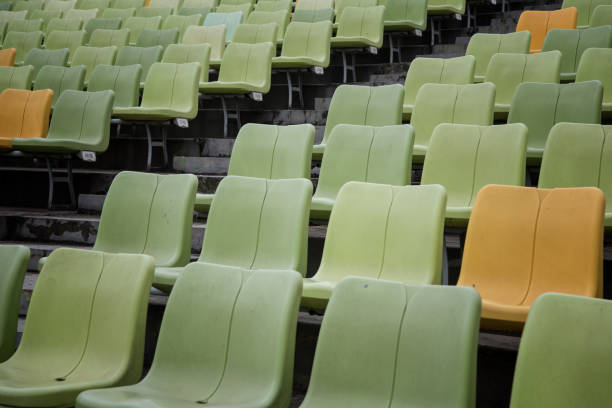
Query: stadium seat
458, 71
312, 16
123, 81
370, 154
148, 12
138, 24
122, 13
23, 114
522, 242
173, 4
60, 79
362, 105
129, 55
98, 23
184, 53
45, 16
16, 77
25, 26
58, 358
151, 38
83, 15
484, 46
23, 43
63, 24
229, 20
71, 40
28, 5
137, 4
405, 16
244, 325
507, 71
465, 158
540, 106
281, 18
417, 346
101, 5
214, 36
573, 43
38, 58
14, 262
60, 5
274, 5
306, 45
254, 224
340, 5
564, 334
268, 151
446, 7
539, 22
7, 57
106, 38
181, 23
447, 103
314, 5
245, 9
360, 27
190, 11
596, 64
602, 15
585, 9
398, 238
256, 33
92, 56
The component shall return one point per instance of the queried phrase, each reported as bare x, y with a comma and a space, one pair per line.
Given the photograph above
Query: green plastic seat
340, 5
190, 11
585, 9
144, 56
122, 13
149, 12
256, 33
268, 151
25, 26
360, 27
57, 40
235, 78
23, 42
405, 15
38, 58
14, 261
417, 347
214, 36
101, 5
184, 53
540, 106
447, 103
92, 56
230, 20
173, 4
105, 38
60, 5
312, 16
170, 91
63, 24
507, 71
151, 38
58, 358
602, 15
60, 79
200, 4
135, 4
314, 4
255, 224
16, 77
370, 154
596, 64
181, 23
244, 324
28, 5
484, 46
465, 158
45, 16
245, 9
281, 18
362, 105
100, 23
138, 24
83, 15
458, 71
398, 238
446, 6
305, 45
123, 81
274, 5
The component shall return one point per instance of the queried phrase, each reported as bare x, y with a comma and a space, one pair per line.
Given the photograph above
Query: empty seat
60, 79
281, 18
23, 43
92, 56
101, 5
405, 15
25, 26
458, 70
28, 5
200, 3
447, 103
602, 15
148, 12
181, 23
122, 13
244, 324
507, 71
123, 81
214, 36
60, 5
57, 357
98, 23
256, 33
16, 77
484, 46
229, 20
564, 334
71, 40
184, 53
596, 64
63, 24
145, 56
585, 8
340, 5
151, 38
83, 15
370, 154
138, 24
314, 4
273, 5
305, 45
522, 242
245, 9
254, 224
173, 4
24, 114
268, 151
398, 238
45, 16
573, 43
360, 27
190, 11
7, 57
540, 106
417, 346
14, 261
538, 23
105, 38
312, 16
465, 158
38, 58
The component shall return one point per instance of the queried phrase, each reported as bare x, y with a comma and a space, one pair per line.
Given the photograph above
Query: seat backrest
273, 5
539, 22
13, 15
97, 23
564, 333
63, 24
145, 56
602, 15
183, 53
149, 12
340, 5
257, 223
465, 158
14, 261
28, 5
151, 38
573, 43
38, 58
365, 105
200, 3
83, 117
281, 18
124, 81
314, 5
366, 22
540, 106
230, 20
65, 39
448, 103
122, 13
150, 214
244, 8
415, 12
7, 57
181, 23
310, 40
137, 24
60, 5
256, 33
83, 15
127, 4
245, 332
174, 87
81, 347
250, 63
25, 26
16, 77
213, 36
190, 11
273, 152
45, 16
458, 70
584, 9
23, 43
398, 237
60, 79
174, 4
105, 38
92, 4
522, 242
312, 16
92, 56
404, 360
24, 114
596, 64
507, 71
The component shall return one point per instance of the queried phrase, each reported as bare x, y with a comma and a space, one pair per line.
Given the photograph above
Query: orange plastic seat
7, 57
539, 22
522, 242
24, 114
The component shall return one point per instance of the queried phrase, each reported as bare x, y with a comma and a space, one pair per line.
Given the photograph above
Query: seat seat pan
53, 146
297, 62
407, 109
165, 277
458, 216
403, 25
498, 316
139, 113
535, 153
236, 88
502, 108
352, 42
478, 78
6, 143
418, 153
316, 294
608, 220
444, 9
567, 76
606, 106
318, 150
203, 201
321, 207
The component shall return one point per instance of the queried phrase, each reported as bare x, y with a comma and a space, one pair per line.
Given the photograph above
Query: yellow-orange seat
539, 22
7, 57
522, 242
24, 114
